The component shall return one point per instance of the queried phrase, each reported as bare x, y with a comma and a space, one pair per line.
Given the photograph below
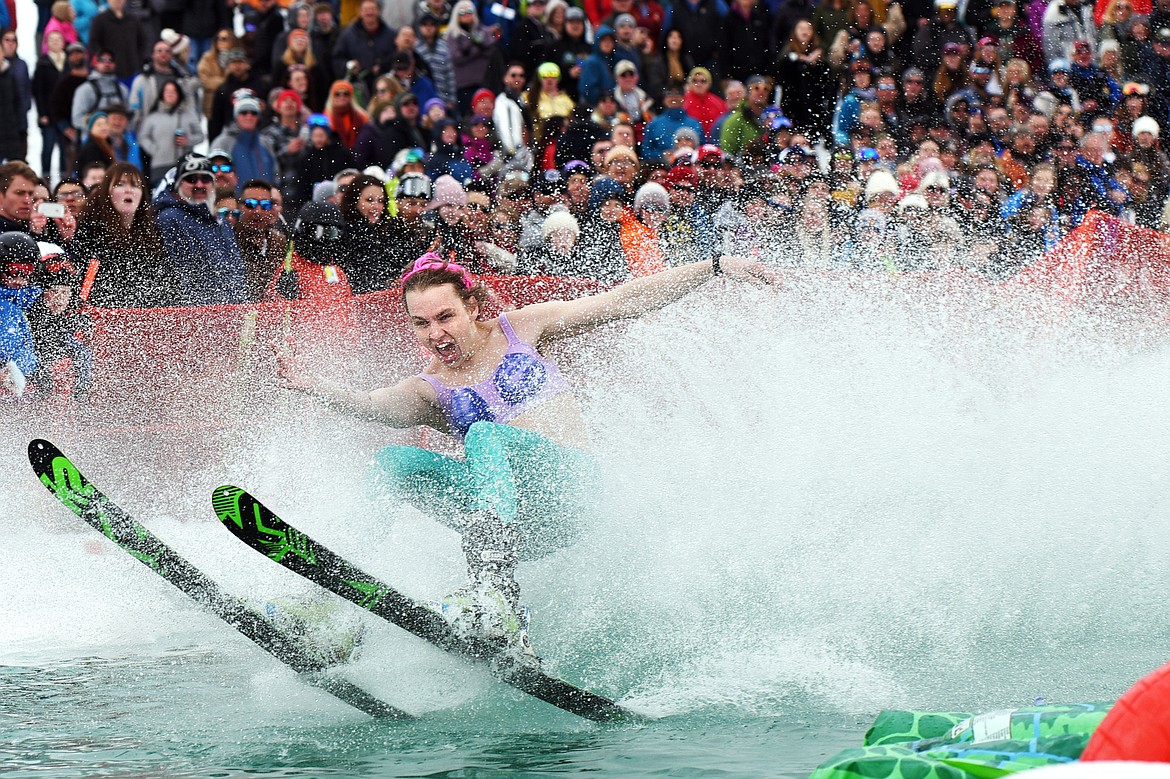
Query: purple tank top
523, 379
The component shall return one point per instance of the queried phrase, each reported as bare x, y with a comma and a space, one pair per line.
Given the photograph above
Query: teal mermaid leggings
525, 479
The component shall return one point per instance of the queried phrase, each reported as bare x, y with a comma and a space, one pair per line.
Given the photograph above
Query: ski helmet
317, 232
19, 254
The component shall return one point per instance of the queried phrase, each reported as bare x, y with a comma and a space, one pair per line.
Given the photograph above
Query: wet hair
437, 277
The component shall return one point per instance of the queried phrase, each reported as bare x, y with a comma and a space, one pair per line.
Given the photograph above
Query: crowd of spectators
603, 141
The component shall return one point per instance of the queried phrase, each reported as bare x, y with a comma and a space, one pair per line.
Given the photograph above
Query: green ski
65, 481
254, 524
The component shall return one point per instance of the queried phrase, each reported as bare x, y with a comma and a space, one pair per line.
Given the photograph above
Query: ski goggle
319, 120
1135, 88
868, 155
414, 186
252, 203
577, 166
322, 232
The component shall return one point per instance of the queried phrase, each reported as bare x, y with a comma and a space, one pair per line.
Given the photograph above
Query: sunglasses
700, 81
501, 226
514, 175
710, 164
224, 168
251, 203
105, 59
478, 207
410, 101
247, 111
200, 178
683, 187
226, 212
341, 93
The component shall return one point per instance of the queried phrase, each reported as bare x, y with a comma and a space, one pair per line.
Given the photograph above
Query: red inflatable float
1138, 726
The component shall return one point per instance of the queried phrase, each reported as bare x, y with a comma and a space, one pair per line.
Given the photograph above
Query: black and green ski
254, 524
66, 482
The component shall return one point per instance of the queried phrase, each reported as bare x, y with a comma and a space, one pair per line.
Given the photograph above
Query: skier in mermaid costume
527, 477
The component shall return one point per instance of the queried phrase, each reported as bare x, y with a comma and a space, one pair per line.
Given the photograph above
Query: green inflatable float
949, 745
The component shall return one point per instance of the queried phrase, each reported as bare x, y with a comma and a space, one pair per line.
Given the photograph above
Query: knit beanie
650, 195
604, 189
560, 220
447, 192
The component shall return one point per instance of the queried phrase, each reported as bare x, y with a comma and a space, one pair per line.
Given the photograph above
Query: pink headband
432, 261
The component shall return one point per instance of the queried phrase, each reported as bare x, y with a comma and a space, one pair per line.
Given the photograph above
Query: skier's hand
288, 370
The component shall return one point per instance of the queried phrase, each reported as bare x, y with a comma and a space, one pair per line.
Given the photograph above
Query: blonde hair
62, 10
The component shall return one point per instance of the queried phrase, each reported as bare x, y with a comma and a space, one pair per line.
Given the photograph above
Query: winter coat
374, 52
19, 70
97, 93
701, 27
600, 247
252, 154
746, 45
640, 246
206, 258
203, 18
16, 341
146, 89
85, 11
1064, 24
740, 129
807, 90
438, 59
402, 135
12, 136
128, 276
367, 261
211, 77
68, 32
156, 135
659, 136
471, 55
44, 81
705, 109
125, 37
323, 164
596, 76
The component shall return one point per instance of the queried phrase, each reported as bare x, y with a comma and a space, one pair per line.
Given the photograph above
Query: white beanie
651, 193
880, 181
1145, 124
560, 220
447, 192
912, 201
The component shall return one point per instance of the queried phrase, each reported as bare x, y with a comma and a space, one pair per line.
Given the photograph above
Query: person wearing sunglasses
262, 245
253, 155
100, 90
527, 483
203, 250
406, 131
345, 116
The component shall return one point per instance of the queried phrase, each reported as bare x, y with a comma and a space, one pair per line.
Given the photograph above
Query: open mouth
447, 352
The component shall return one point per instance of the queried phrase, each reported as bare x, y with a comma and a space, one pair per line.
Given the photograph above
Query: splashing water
819, 502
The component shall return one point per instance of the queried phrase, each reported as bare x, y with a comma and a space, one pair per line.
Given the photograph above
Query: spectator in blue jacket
659, 136
203, 250
597, 71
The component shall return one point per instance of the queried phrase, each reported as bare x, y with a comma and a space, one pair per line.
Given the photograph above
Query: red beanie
483, 94
290, 93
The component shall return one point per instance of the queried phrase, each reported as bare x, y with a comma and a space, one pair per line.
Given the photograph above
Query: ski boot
489, 606
321, 628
